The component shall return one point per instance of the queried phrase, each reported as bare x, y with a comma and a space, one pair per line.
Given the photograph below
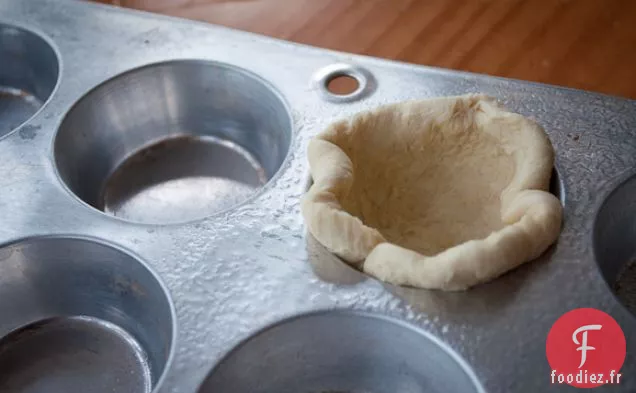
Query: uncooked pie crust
443, 193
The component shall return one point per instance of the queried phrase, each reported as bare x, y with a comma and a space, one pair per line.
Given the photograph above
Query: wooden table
585, 44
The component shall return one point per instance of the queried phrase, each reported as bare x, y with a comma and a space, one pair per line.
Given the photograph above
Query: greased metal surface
233, 273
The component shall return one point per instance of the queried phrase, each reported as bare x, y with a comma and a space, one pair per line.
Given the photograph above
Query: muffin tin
152, 241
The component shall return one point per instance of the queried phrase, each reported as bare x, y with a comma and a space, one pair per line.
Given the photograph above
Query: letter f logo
583, 344
570, 340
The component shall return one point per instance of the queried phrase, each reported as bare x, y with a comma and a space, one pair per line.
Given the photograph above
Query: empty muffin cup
173, 142
339, 351
613, 240
29, 71
77, 314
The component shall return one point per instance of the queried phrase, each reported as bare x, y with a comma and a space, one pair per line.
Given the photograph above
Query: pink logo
586, 348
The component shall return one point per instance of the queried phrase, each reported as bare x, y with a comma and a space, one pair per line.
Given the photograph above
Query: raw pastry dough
443, 193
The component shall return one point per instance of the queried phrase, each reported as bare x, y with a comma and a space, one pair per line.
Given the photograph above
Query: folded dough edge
532, 215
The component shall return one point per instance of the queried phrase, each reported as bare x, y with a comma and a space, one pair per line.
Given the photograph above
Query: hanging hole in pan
341, 83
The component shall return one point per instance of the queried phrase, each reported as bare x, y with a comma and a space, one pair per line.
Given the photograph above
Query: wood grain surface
584, 44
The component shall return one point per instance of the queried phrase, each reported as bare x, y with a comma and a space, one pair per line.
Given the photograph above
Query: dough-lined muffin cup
443, 193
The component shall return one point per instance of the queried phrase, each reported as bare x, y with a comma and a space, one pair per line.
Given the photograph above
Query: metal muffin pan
76, 312
112, 214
